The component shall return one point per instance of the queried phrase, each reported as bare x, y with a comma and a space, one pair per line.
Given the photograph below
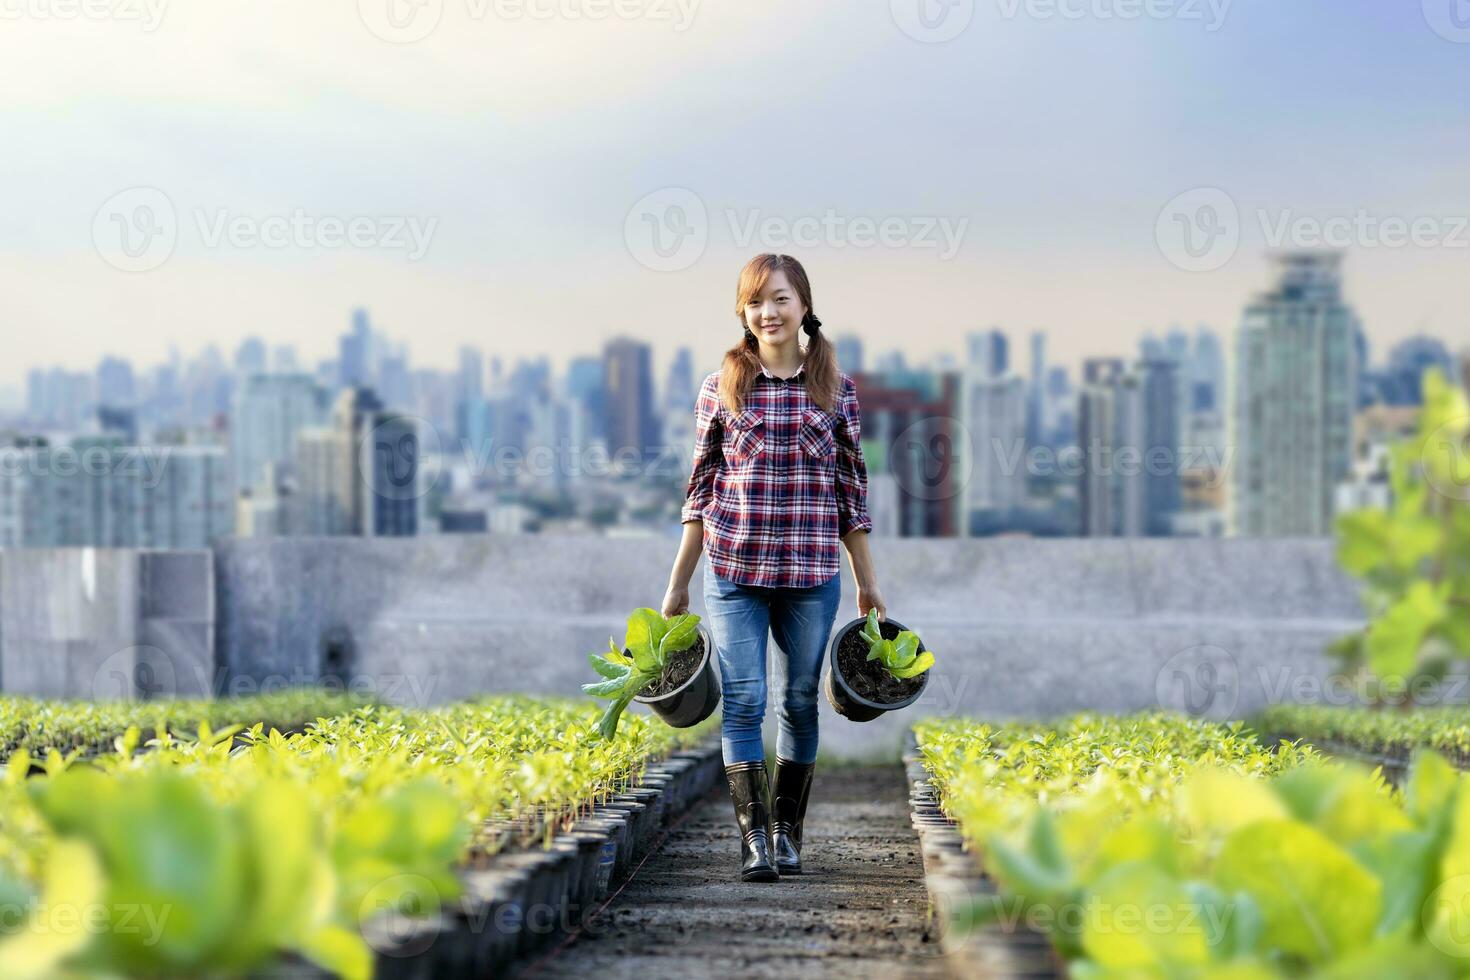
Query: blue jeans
740, 617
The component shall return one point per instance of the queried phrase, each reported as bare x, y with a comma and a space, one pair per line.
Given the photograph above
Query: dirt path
857, 910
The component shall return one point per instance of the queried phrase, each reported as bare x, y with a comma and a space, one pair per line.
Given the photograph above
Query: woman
778, 480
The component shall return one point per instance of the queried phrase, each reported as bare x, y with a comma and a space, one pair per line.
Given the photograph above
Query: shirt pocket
815, 435
747, 431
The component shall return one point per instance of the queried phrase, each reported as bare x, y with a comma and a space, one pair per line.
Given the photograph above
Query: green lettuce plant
649, 642
900, 656
1163, 848
1414, 557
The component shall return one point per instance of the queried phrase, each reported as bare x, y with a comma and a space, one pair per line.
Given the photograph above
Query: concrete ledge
1021, 626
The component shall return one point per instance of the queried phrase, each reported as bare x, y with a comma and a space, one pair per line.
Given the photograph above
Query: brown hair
742, 362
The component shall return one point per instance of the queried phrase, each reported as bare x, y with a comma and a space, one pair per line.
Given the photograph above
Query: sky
534, 176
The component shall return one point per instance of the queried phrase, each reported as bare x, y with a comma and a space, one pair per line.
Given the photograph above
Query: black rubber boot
749, 787
793, 786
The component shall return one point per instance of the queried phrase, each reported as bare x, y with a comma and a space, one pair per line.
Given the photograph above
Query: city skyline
1063, 155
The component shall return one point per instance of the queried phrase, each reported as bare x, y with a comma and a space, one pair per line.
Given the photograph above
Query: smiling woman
778, 482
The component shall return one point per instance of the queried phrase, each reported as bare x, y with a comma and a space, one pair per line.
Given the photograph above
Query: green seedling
900, 656
650, 641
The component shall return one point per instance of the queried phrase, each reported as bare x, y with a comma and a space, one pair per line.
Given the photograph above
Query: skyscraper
250, 357
122, 497
989, 354
628, 383
270, 411
1159, 445
356, 362
993, 409
1098, 429
115, 382
1407, 362
1295, 392
849, 348
362, 474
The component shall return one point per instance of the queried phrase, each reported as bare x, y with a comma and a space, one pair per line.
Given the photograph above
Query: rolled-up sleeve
707, 454
852, 470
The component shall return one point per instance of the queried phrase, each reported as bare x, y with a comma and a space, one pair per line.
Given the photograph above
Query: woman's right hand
676, 602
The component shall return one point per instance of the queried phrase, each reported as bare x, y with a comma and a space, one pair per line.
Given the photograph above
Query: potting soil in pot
869, 678
679, 668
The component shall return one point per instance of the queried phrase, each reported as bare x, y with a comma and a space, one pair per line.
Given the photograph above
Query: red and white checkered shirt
779, 484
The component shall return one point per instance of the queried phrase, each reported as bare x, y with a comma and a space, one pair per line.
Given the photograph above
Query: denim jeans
740, 617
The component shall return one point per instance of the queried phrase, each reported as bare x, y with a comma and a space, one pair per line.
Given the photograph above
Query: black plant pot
849, 703
697, 698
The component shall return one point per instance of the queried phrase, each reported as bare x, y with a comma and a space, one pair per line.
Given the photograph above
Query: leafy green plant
649, 642
1414, 557
900, 656
1164, 848
213, 856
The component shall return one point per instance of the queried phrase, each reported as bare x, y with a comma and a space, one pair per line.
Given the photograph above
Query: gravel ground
858, 909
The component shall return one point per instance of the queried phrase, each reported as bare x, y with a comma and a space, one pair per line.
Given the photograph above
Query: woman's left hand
868, 597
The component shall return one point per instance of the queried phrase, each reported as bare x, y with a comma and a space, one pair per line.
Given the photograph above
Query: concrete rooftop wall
1019, 626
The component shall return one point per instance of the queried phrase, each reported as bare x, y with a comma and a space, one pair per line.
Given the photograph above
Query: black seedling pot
849, 703
697, 698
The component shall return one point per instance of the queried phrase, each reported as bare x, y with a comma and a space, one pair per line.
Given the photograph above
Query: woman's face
775, 315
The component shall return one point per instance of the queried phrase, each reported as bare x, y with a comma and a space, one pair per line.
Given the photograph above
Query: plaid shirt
779, 484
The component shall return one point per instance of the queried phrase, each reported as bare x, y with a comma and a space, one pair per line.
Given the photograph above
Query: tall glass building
1295, 390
